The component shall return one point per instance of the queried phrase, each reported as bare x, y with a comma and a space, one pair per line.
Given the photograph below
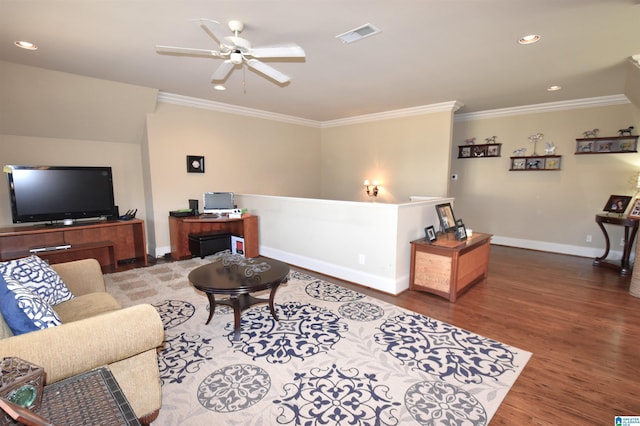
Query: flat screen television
54, 193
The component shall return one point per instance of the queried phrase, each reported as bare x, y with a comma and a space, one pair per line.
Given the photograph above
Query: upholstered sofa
96, 331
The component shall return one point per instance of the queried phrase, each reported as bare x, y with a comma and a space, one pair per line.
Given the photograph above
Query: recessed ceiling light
219, 87
359, 33
26, 45
553, 88
529, 39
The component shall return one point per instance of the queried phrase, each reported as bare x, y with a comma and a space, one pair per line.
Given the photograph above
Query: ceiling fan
237, 51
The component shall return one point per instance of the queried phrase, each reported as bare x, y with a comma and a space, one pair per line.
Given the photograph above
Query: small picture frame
430, 234
617, 204
635, 209
461, 230
195, 164
446, 217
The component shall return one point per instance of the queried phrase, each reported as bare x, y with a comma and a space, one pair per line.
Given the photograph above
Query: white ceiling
429, 51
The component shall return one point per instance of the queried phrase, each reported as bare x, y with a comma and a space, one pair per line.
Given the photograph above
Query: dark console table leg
597, 260
630, 231
625, 264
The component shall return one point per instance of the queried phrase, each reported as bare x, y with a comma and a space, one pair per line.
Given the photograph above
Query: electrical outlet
361, 259
589, 238
621, 242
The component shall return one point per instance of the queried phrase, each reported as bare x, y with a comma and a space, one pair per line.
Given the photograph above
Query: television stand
50, 248
110, 242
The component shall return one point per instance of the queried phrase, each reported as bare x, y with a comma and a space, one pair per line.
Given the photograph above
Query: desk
630, 231
181, 227
448, 267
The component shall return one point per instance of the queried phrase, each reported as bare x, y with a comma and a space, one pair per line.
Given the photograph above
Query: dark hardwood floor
579, 321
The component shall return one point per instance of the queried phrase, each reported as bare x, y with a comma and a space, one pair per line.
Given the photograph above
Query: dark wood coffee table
238, 277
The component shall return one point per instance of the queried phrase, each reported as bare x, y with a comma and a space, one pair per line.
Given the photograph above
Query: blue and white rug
335, 357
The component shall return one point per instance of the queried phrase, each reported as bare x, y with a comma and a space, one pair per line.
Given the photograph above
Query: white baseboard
400, 284
553, 247
348, 274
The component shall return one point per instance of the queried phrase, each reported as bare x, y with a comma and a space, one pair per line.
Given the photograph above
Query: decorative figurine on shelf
491, 139
470, 141
534, 139
626, 131
519, 152
593, 133
549, 148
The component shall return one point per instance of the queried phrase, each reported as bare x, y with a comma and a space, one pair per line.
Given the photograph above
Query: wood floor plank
579, 321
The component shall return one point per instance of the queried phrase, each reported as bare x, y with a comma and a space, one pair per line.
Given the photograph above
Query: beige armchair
95, 331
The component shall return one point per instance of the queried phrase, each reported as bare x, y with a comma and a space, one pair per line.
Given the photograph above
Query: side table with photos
615, 208
630, 224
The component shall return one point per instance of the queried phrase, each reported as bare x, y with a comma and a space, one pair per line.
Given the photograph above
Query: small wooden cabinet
181, 227
448, 267
110, 242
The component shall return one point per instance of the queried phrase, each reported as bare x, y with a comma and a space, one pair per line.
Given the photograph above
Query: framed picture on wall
617, 204
447, 219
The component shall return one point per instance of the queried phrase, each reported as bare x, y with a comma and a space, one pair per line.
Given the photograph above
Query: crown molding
545, 107
451, 106
171, 98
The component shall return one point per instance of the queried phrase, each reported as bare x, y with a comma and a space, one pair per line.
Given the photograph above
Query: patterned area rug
335, 357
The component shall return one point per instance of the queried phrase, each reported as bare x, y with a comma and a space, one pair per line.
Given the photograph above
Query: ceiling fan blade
278, 51
186, 50
213, 28
223, 71
268, 70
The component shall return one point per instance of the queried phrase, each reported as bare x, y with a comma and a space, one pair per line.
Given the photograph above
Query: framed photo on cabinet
617, 204
635, 209
430, 234
447, 219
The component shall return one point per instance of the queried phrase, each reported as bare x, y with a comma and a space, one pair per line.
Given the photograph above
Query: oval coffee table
238, 277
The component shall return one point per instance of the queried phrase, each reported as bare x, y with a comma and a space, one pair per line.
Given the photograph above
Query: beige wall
51, 104
124, 159
555, 207
408, 156
53, 118
242, 155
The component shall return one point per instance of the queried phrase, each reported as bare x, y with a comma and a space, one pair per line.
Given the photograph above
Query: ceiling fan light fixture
363, 31
529, 39
219, 87
236, 58
554, 88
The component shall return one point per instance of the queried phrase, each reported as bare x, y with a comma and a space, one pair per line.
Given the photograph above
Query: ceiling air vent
359, 33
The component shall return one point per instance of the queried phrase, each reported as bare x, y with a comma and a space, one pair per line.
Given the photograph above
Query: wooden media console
110, 242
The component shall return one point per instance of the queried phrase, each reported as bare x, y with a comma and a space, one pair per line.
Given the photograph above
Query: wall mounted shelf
610, 145
479, 151
544, 163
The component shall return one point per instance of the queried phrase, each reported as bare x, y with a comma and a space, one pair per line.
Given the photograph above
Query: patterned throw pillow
22, 310
38, 277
